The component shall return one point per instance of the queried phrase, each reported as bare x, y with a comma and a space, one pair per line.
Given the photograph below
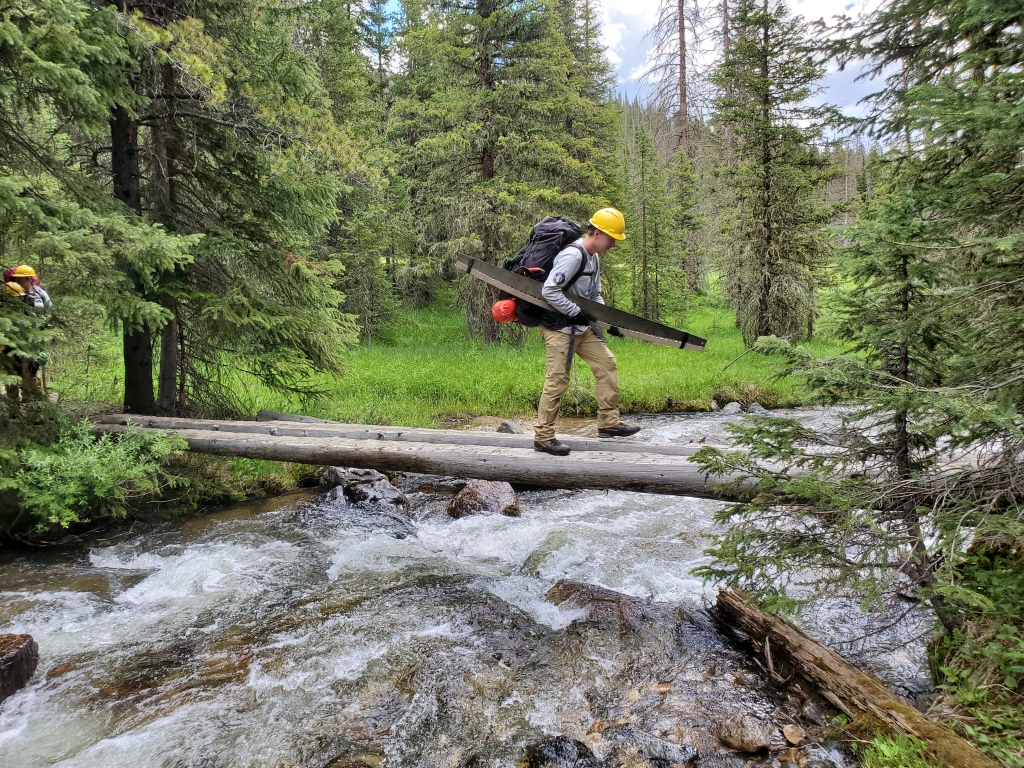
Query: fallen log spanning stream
596, 465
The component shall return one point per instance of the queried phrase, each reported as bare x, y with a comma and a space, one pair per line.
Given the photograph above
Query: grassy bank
427, 370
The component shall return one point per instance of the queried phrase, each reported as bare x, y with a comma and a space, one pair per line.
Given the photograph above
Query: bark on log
850, 689
598, 470
320, 428
19, 655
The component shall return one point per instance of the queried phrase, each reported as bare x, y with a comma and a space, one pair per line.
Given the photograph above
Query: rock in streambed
484, 497
19, 656
362, 486
744, 733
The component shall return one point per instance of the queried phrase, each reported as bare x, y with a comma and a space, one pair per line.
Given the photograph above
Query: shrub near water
81, 478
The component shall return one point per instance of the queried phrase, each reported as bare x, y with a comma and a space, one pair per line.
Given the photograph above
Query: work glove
582, 318
615, 331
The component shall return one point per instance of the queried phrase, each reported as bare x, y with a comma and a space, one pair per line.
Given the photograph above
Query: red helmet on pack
504, 311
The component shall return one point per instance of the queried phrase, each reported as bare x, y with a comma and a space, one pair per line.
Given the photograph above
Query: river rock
714, 406
510, 428
744, 733
484, 497
756, 408
560, 752
651, 747
812, 712
731, 408
361, 486
603, 606
19, 656
794, 733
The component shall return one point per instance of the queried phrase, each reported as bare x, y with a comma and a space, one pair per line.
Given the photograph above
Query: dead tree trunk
851, 690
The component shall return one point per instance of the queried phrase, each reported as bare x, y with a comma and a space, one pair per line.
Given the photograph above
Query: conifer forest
238, 205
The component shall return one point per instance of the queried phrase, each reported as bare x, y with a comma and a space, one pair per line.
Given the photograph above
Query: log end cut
19, 656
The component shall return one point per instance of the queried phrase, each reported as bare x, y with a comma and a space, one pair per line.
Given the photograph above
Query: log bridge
604, 464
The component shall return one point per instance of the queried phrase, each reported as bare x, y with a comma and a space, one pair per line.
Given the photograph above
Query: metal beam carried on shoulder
607, 317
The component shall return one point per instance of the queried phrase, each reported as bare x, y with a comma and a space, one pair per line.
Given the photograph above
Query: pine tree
778, 244
228, 136
65, 68
483, 115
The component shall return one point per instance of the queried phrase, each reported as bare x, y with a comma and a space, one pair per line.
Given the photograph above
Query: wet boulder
744, 733
756, 409
361, 486
731, 408
604, 606
812, 712
650, 747
560, 752
19, 656
510, 428
484, 497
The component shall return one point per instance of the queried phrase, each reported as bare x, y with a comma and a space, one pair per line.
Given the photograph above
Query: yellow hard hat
24, 271
13, 288
611, 222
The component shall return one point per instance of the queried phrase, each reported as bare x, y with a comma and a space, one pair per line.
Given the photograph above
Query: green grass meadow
427, 370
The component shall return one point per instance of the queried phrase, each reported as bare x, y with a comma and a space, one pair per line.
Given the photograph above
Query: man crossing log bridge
576, 271
563, 258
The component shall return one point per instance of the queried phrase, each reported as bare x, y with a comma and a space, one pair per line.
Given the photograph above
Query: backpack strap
583, 263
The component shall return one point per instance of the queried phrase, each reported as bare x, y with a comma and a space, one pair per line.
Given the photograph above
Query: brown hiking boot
622, 429
551, 446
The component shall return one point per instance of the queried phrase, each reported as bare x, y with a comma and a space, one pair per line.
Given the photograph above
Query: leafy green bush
895, 752
81, 477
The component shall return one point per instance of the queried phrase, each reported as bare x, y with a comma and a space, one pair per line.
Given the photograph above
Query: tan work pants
594, 353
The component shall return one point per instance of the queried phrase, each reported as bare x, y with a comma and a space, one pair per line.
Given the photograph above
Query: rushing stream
297, 632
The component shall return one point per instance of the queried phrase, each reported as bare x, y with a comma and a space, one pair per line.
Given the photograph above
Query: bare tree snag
851, 690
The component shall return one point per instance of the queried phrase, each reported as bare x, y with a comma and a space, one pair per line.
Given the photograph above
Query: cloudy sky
626, 22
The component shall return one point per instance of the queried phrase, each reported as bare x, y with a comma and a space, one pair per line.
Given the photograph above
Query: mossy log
851, 690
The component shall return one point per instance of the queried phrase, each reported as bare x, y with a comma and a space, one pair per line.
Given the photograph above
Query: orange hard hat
504, 311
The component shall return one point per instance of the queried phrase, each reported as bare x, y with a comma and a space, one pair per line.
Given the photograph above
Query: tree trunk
138, 346
851, 690
167, 387
684, 106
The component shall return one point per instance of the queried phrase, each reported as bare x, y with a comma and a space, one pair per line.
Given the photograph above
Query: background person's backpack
548, 237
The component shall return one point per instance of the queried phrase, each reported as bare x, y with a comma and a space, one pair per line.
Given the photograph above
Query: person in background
23, 283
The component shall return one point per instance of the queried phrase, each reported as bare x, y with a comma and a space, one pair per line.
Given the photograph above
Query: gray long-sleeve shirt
587, 285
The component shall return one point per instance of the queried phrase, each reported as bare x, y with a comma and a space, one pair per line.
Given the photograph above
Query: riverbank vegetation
253, 204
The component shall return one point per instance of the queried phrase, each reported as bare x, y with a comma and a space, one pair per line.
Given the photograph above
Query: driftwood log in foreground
851, 690
598, 470
309, 427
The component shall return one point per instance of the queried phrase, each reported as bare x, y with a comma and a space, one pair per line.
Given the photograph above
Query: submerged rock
510, 428
651, 747
19, 656
604, 606
560, 752
484, 497
732, 408
744, 733
362, 486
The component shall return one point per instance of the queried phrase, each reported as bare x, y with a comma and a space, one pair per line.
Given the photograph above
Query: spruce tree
483, 115
229, 136
65, 68
778, 244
